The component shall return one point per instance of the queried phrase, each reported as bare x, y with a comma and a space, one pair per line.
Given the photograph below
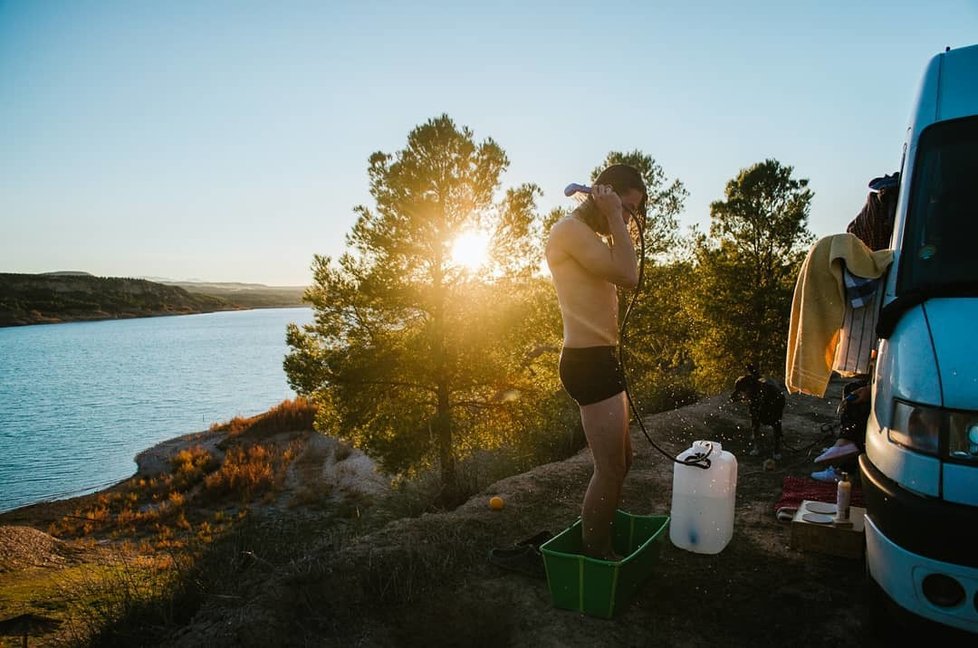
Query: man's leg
606, 428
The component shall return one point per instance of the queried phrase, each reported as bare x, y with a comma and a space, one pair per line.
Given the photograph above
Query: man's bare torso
588, 304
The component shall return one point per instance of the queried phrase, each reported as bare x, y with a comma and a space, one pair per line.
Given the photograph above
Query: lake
78, 401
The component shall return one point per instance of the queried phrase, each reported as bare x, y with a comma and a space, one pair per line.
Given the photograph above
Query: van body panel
957, 93
914, 471
906, 367
914, 521
961, 485
953, 325
882, 411
927, 98
922, 503
901, 574
948, 90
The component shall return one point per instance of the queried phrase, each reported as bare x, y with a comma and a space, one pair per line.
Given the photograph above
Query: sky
228, 141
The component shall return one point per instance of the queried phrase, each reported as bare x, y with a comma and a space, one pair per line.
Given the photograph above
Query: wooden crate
837, 540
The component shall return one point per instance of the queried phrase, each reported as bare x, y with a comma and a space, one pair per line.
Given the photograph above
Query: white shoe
838, 453
828, 475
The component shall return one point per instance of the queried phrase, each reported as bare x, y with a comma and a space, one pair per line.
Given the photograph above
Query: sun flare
471, 249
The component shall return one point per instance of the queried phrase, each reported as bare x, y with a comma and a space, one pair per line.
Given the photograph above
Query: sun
470, 249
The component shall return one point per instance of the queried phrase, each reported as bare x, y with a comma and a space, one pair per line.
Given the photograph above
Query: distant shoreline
124, 316
60, 298
94, 317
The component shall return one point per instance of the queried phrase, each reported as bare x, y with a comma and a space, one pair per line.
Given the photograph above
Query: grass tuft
287, 416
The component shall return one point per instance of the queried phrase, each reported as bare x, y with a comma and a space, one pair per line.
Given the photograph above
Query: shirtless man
590, 254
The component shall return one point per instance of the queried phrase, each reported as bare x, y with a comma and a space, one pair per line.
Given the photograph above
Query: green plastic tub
602, 587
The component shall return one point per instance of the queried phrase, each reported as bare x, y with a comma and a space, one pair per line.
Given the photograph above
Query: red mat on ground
796, 489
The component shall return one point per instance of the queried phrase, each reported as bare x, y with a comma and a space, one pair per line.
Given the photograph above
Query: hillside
332, 558
38, 299
76, 296
245, 295
425, 581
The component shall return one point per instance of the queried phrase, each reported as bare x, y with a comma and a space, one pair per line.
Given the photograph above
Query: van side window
941, 234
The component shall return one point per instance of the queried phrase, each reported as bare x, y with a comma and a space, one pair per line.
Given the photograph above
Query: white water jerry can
703, 500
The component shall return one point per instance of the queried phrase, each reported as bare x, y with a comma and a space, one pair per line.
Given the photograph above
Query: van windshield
940, 242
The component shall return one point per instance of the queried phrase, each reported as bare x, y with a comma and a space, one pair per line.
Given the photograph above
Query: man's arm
616, 264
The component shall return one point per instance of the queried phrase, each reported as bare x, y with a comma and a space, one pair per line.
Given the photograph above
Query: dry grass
170, 508
190, 465
310, 491
250, 471
287, 416
170, 535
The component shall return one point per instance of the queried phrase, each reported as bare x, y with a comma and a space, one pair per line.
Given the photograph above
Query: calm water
78, 401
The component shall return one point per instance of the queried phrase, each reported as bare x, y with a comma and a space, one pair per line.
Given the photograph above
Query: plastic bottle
703, 500
843, 495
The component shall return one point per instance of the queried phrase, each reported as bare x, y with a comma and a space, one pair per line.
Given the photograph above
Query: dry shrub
190, 465
234, 427
287, 416
146, 503
245, 471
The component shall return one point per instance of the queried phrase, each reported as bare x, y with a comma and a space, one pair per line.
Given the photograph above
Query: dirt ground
758, 590
426, 581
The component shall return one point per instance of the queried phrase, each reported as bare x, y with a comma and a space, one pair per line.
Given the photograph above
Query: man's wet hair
621, 178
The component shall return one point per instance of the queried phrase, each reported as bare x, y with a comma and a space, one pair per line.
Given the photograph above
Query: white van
920, 470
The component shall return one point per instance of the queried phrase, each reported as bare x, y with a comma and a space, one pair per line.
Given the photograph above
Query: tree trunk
443, 413
443, 429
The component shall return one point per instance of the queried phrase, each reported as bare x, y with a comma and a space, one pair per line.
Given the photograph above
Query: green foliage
411, 357
665, 201
658, 337
746, 272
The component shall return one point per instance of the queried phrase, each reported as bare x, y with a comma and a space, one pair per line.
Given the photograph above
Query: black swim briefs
591, 374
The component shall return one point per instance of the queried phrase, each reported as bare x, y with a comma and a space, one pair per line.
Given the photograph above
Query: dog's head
747, 385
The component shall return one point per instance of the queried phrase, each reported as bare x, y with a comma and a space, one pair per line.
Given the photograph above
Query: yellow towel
818, 306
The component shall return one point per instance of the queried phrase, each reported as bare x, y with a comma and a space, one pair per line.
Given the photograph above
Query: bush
190, 465
249, 471
287, 416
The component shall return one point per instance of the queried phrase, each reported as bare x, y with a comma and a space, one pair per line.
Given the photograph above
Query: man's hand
609, 204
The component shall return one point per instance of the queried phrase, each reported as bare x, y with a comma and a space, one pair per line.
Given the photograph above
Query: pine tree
413, 356
746, 271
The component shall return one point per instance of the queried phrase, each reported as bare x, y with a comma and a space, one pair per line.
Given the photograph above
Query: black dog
765, 404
